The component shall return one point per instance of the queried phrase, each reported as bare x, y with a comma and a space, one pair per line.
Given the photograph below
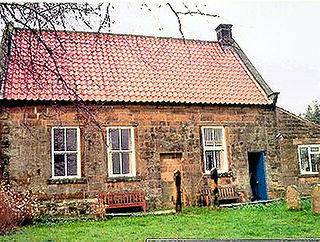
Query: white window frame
302, 172
66, 152
133, 154
221, 148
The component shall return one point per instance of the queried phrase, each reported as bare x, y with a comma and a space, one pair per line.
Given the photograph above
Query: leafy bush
16, 208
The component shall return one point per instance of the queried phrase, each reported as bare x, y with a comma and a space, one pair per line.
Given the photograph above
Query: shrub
7, 216
16, 208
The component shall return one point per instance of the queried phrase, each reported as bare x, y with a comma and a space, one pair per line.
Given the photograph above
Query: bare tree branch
106, 19
178, 19
198, 13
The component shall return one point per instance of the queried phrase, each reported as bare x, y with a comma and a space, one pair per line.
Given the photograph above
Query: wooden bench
228, 193
224, 194
122, 200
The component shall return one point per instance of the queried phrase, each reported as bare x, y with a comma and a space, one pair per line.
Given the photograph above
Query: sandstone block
293, 198
4, 115
315, 199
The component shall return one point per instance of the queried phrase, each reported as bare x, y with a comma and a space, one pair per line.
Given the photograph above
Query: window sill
122, 179
67, 181
222, 174
308, 175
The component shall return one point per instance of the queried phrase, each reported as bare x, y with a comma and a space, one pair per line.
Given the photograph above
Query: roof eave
106, 102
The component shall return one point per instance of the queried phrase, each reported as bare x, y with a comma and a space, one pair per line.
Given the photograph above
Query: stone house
83, 113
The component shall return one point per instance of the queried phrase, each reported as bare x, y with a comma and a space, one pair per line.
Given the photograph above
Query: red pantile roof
104, 67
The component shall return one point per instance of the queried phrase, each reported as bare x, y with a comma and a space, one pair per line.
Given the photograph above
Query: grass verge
252, 221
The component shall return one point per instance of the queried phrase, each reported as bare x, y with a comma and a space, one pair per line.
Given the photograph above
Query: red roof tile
87, 66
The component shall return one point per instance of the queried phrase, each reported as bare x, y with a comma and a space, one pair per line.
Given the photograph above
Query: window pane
58, 139
72, 139
125, 139
314, 149
217, 156
304, 159
59, 165
208, 137
72, 164
315, 159
125, 163
115, 163
213, 137
218, 137
114, 139
209, 160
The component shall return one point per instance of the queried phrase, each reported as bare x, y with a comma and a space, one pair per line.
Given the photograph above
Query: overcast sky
281, 38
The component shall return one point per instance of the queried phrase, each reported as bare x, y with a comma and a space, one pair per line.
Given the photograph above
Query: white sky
281, 38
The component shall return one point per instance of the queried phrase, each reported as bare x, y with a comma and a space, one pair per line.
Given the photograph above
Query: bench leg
144, 207
207, 200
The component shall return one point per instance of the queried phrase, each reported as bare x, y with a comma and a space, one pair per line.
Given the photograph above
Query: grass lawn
254, 221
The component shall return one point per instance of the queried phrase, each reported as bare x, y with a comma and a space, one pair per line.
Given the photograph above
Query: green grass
255, 221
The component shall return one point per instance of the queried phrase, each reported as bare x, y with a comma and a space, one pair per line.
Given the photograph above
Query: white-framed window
309, 158
65, 147
214, 148
121, 156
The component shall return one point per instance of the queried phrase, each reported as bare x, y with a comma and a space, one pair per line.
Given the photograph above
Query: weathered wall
4, 144
160, 131
295, 131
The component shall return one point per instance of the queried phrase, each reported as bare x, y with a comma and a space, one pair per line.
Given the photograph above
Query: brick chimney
224, 35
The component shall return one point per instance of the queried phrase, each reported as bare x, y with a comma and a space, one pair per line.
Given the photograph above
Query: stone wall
4, 145
295, 131
162, 132
70, 207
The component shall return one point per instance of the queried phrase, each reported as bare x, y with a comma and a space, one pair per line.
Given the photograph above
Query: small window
120, 143
65, 152
309, 158
214, 149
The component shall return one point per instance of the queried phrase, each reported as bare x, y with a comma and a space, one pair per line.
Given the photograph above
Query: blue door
257, 174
